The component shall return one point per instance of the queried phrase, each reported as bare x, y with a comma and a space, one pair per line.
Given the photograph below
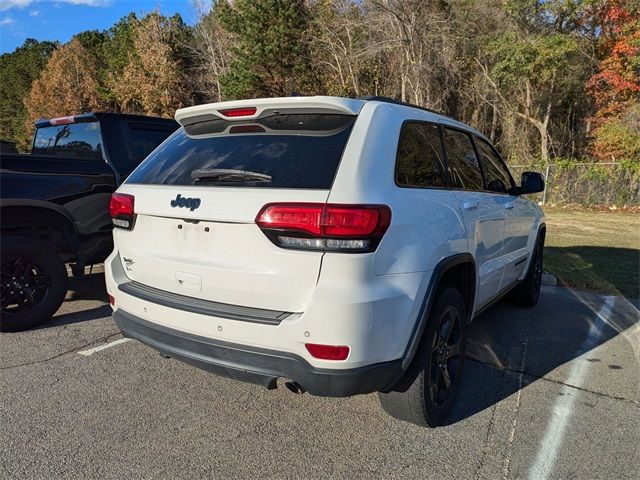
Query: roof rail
378, 98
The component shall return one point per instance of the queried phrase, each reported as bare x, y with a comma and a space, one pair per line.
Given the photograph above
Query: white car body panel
369, 301
264, 276
335, 104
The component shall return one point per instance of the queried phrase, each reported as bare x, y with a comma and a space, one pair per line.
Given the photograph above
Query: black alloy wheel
528, 292
537, 270
33, 283
425, 395
25, 284
445, 364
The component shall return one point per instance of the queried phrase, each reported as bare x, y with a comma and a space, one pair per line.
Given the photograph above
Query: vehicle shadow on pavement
77, 317
510, 347
91, 287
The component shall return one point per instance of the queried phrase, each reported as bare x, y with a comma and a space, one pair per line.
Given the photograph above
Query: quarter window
419, 162
496, 174
463, 163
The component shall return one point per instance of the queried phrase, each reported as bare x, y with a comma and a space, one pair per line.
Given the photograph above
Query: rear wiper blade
224, 174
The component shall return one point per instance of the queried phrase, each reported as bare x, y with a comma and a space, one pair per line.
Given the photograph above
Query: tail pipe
295, 387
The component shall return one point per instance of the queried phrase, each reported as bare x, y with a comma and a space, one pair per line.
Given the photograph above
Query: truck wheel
527, 293
33, 283
426, 393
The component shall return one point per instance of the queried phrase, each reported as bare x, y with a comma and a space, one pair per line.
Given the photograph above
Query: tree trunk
541, 126
494, 123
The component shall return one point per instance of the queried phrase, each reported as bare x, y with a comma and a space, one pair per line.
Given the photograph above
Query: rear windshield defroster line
296, 151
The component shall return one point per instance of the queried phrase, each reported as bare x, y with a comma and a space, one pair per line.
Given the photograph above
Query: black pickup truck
54, 205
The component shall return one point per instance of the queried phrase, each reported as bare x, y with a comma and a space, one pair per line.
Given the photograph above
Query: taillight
121, 210
238, 112
62, 120
325, 226
327, 352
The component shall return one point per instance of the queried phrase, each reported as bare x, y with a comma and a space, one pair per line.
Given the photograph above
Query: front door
518, 214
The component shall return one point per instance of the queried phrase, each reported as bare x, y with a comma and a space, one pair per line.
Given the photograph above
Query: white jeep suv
341, 245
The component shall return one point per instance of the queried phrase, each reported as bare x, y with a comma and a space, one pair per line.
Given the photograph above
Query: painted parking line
91, 351
563, 407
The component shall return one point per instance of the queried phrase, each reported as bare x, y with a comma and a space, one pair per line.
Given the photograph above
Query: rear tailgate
196, 235
224, 257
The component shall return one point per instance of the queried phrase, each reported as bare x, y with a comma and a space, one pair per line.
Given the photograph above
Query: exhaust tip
294, 387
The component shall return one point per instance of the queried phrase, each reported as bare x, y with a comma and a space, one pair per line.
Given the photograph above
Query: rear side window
75, 140
496, 174
278, 151
463, 163
419, 162
143, 139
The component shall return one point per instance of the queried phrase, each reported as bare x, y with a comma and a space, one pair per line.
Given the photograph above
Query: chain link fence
588, 184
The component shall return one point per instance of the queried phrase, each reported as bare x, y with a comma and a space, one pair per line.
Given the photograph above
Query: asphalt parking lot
552, 392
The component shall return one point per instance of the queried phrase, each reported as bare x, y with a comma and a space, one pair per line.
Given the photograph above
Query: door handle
470, 205
508, 205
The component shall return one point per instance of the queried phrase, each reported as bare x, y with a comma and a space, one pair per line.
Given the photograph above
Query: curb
549, 280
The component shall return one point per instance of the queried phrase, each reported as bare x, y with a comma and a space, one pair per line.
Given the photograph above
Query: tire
419, 396
528, 292
33, 283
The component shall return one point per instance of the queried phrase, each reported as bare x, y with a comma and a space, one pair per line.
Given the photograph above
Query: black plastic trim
258, 365
204, 307
421, 321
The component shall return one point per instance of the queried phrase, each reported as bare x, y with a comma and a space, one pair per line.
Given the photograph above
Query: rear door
483, 215
195, 232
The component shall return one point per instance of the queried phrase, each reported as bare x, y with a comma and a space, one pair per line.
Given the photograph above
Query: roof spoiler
251, 109
52, 122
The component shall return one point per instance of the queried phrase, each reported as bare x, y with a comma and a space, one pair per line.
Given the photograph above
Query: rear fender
435, 282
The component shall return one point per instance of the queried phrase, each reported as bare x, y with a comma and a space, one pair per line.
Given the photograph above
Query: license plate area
194, 238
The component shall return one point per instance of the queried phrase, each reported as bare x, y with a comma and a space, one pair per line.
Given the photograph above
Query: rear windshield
277, 151
76, 140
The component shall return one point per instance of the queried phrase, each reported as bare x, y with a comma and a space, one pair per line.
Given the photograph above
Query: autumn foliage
616, 86
152, 82
68, 84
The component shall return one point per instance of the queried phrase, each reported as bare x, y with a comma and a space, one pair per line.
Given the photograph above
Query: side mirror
531, 182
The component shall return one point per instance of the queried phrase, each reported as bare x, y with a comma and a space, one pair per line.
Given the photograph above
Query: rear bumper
257, 365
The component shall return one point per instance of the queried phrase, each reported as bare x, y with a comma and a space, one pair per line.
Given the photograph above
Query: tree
152, 82
18, 70
540, 70
68, 85
340, 47
271, 55
117, 49
616, 86
210, 52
